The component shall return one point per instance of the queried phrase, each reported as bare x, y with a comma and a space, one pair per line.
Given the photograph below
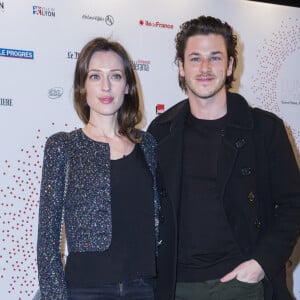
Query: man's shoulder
266, 121
258, 114
161, 126
170, 114
264, 114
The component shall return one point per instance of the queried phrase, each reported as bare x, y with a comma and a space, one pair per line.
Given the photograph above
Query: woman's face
105, 84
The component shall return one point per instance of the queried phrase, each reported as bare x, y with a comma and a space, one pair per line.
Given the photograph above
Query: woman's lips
106, 100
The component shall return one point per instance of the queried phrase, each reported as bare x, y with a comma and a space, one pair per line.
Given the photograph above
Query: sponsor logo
156, 24
55, 92
43, 11
72, 55
160, 108
1, 6
6, 102
141, 65
109, 20
95, 18
15, 53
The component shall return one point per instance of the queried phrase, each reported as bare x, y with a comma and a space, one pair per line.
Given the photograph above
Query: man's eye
196, 59
215, 58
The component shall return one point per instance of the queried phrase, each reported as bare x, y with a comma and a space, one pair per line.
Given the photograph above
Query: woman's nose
106, 84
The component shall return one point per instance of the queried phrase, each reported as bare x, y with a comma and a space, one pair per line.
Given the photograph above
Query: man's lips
204, 78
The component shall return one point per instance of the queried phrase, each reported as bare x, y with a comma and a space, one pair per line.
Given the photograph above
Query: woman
101, 181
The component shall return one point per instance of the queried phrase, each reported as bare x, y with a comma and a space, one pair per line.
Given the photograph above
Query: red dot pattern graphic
19, 219
271, 57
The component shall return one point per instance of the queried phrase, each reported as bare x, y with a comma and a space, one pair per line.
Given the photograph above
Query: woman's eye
116, 76
94, 76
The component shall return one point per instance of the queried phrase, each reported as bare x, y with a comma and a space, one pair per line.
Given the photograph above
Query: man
230, 185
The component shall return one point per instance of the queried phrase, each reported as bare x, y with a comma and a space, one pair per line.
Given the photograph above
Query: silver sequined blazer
85, 198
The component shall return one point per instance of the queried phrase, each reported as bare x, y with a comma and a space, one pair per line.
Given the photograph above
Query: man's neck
209, 109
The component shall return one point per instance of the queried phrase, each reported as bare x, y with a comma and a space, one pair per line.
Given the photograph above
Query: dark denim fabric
137, 289
216, 290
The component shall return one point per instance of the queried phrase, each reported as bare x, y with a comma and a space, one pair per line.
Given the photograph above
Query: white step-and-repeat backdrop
39, 43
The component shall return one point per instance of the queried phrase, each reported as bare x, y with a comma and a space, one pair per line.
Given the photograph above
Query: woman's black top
132, 251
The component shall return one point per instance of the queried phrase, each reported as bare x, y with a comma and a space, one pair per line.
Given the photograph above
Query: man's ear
230, 66
180, 68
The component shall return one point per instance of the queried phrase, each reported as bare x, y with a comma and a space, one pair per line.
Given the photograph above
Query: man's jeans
216, 290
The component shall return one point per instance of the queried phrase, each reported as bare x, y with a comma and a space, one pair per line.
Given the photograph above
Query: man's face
205, 66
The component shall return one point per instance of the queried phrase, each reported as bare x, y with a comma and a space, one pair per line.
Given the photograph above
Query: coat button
275, 210
240, 143
222, 132
251, 197
257, 223
246, 171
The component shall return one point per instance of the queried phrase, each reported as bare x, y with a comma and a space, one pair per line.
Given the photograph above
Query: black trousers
137, 289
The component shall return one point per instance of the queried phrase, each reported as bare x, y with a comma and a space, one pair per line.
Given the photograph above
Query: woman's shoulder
63, 136
57, 137
60, 140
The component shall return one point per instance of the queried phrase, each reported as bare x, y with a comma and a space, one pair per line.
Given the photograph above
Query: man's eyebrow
211, 53
217, 52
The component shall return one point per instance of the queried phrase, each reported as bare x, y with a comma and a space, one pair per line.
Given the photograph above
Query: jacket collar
239, 112
237, 108
174, 114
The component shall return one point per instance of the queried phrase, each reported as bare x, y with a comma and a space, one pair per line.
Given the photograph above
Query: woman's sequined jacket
76, 186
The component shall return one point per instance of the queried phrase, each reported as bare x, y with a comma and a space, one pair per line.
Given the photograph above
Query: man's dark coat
259, 185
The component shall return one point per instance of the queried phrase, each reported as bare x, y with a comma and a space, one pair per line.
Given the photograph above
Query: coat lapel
240, 121
170, 157
169, 160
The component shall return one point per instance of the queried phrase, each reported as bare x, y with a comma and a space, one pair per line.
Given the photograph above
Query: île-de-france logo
156, 24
